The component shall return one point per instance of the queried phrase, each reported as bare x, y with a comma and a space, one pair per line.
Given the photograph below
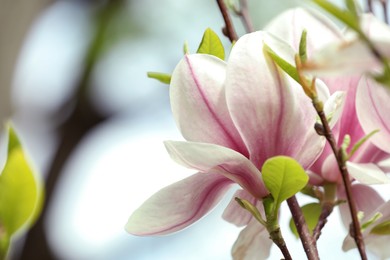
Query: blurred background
73, 81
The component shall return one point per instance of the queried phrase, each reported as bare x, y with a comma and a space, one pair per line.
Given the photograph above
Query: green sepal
162, 77
303, 46
211, 44
251, 208
311, 212
283, 64
381, 229
371, 221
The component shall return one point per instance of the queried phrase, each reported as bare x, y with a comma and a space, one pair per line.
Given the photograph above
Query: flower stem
327, 204
276, 236
308, 242
356, 234
245, 18
228, 30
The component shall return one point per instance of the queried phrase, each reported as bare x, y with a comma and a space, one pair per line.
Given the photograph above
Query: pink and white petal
179, 205
290, 24
375, 29
330, 169
367, 173
234, 213
378, 244
340, 58
252, 243
372, 105
216, 159
366, 198
272, 113
333, 107
198, 100
322, 91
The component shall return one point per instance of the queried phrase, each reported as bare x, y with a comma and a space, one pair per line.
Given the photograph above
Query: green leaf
211, 44
311, 212
283, 177
162, 77
20, 192
283, 64
381, 229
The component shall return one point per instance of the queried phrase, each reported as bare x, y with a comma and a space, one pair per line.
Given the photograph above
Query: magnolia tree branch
327, 132
245, 17
228, 30
384, 8
277, 237
327, 209
308, 242
328, 202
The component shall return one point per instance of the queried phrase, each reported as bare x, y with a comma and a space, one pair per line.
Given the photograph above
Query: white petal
253, 243
217, 159
367, 173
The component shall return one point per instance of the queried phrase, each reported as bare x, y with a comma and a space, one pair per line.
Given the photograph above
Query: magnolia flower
368, 163
376, 241
363, 165
350, 54
234, 116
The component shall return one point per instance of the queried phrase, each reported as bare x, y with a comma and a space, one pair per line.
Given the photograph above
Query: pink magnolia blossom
350, 54
234, 116
371, 204
363, 165
368, 163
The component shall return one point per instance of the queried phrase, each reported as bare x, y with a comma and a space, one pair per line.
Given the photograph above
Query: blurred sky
122, 162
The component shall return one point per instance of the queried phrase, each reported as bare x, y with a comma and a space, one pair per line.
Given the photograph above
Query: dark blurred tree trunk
83, 118
16, 17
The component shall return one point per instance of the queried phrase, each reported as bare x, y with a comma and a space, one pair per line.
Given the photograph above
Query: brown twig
328, 202
228, 30
357, 234
327, 209
280, 243
385, 9
245, 17
308, 242
369, 6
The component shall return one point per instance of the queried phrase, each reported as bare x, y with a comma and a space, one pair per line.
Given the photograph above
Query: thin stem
356, 234
228, 30
328, 202
384, 8
245, 17
308, 242
369, 5
276, 236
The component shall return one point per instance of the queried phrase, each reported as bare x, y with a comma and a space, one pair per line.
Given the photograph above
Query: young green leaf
381, 229
283, 177
211, 44
311, 213
20, 193
162, 77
